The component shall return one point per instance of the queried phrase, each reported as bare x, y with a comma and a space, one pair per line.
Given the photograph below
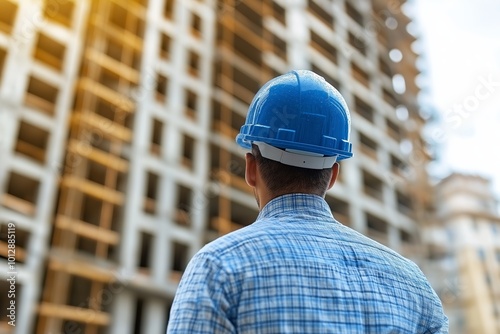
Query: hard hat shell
299, 111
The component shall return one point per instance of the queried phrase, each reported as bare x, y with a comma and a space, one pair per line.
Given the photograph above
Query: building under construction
464, 257
117, 152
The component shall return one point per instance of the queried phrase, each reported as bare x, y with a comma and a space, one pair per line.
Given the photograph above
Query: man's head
271, 179
297, 127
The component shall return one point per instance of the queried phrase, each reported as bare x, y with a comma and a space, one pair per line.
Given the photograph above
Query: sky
460, 63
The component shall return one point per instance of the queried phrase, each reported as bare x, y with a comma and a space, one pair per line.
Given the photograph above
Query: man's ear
250, 170
335, 174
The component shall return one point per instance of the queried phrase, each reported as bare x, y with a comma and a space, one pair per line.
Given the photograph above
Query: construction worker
296, 269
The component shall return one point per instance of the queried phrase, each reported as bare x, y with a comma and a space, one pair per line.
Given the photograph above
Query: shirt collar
296, 205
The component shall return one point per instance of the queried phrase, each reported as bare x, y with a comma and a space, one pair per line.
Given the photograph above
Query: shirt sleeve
441, 328
439, 320
201, 303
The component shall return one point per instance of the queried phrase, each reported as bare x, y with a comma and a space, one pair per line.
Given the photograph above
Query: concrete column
297, 34
123, 313
155, 317
394, 240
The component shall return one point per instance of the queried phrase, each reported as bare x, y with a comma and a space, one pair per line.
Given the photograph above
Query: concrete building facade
117, 126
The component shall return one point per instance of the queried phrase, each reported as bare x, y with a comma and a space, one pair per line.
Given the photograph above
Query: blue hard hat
299, 112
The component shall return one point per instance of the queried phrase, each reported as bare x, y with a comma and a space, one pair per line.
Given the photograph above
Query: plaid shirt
297, 270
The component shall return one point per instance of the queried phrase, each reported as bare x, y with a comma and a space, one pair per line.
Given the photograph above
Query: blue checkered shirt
297, 270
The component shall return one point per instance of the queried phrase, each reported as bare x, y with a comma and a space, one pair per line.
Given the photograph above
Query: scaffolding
117, 130
88, 217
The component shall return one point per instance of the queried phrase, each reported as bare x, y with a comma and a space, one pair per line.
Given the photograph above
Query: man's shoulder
227, 244
368, 250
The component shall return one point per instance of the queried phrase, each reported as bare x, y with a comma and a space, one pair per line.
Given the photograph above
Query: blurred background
118, 160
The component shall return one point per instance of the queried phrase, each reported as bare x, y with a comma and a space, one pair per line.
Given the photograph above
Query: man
296, 269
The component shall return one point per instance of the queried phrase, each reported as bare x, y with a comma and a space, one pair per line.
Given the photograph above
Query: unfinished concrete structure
464, 257
117, 125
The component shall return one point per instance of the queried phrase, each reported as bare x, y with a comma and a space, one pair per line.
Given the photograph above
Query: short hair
285, 179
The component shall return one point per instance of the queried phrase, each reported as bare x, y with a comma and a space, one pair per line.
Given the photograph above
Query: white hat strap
301, 159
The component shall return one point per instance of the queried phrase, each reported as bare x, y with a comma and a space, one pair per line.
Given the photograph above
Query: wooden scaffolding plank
103, 158
87, 230
107, 94
36, 102
243, 31
30, 150
126, 37
113, 65
93, 189
77, 314
82, 269
106, 127
17, 204
48, 58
